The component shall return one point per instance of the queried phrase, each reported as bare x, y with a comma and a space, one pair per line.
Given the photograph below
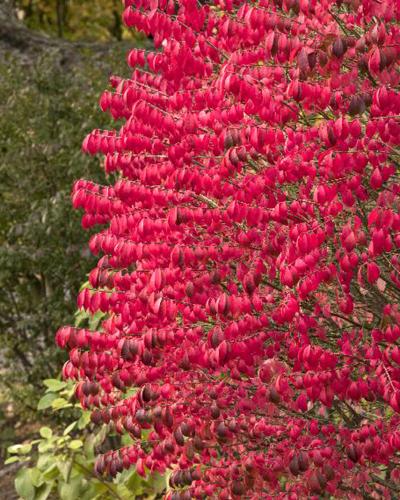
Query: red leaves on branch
248, 259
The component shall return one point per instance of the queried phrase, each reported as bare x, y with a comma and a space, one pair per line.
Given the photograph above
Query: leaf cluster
60, 461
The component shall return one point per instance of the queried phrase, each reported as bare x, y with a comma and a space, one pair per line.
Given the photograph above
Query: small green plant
60, 461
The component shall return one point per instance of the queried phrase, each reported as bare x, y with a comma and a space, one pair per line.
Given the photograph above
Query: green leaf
12, 460
80, 317
133, 481
62, 440
95, 320
60, 403
68, 392
36, 477
46, 401
44, 460
65, 469
21, 449
157, 483
23, 484
96, 491
44, 491
54, 385
126, 493
101, 435
68, 429
75, 444
127, 440
70, 490
84, 285
88, 446
45, 446
130, 392
46, 432
51, 472
84, 420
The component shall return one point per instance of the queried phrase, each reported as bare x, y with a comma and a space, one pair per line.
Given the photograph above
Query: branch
386, 484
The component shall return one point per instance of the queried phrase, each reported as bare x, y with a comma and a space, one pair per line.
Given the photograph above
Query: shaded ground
7, 473
11, 432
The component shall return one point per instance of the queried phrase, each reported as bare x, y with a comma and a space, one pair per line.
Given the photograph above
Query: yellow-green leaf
23, 484
46, 432
75, 444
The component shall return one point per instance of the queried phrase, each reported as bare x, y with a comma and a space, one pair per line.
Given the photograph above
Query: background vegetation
56, 57
75, 20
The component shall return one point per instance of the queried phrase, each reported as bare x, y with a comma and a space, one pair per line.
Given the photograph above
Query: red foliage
250, 266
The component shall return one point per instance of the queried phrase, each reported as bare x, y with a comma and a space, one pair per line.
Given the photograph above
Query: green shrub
59, 462
45, 111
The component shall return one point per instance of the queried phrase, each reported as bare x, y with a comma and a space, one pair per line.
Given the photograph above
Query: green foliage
89, 20
60, 461
45, 111
47, 107
57, 395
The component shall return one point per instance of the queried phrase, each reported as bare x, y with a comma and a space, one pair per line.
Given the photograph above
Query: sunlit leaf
23, 484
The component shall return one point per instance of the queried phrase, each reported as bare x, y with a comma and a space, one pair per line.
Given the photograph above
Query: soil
7, 474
